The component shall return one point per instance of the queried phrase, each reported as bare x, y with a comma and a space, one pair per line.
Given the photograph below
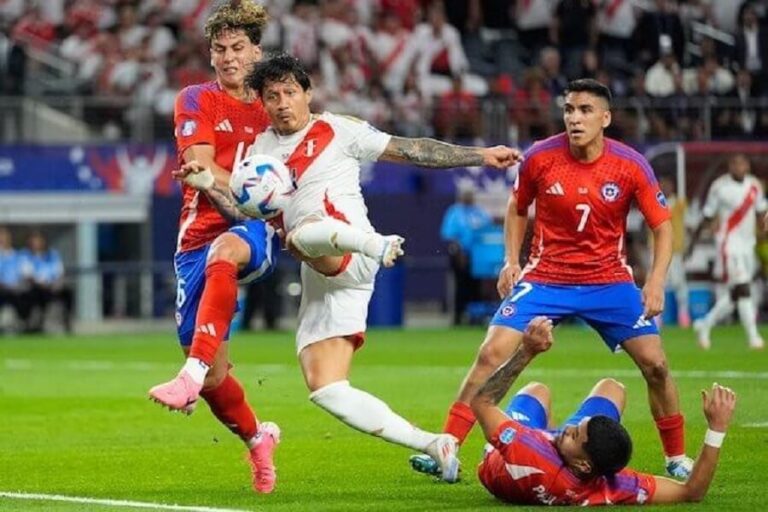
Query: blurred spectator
741, 115
751, 52
549, 61
407, 11
574, 30
534, 17
532, 106
299, 32
44, 272
457, 115
664, 83
616, 20
33, 29
438, 56
410, 106
389, 45
11, 283
13, 70
647, 39
460, 223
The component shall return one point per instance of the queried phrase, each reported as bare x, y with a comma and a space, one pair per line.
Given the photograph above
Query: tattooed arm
221, 198
536, 339
433, 153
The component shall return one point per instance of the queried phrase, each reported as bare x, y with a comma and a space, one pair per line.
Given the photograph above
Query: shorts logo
508, 310
610, 192
179, 319
518, 416
188, 128
507, 435
661, 198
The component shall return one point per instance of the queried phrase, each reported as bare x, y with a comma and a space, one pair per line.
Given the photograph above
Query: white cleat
444, 449
757, 344
393, 249
702, 335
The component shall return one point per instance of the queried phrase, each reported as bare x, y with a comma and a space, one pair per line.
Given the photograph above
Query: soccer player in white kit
734, 201
327, 227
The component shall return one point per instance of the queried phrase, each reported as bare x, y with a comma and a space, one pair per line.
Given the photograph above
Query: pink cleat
260, 458
179, 394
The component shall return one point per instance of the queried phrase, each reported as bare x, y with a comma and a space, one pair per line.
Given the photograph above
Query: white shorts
733, 268
335, 306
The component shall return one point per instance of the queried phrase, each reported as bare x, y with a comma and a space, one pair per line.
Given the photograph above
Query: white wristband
714, 439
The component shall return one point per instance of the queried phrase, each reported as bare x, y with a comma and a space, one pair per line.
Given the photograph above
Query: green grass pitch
74, 420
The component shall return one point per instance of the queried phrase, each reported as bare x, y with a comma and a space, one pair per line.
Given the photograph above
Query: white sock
722, 308
332, 237
748, 317
196, 369
366, 413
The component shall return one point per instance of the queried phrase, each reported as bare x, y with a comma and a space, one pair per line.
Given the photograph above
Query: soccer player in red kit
217, 246
583, 184
583, 462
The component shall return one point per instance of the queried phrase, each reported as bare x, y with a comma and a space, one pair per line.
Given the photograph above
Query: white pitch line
144, 366
111, 503
758, 424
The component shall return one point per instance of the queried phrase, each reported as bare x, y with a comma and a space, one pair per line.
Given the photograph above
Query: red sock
672, 433
460, 421
217, 307
227, 403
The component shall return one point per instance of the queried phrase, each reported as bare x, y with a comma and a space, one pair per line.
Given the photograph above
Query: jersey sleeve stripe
630, 154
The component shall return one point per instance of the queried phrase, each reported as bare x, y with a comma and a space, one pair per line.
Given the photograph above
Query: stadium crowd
476, 68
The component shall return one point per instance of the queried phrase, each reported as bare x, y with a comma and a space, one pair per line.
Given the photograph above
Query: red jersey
525, 468
206, 114
581, 210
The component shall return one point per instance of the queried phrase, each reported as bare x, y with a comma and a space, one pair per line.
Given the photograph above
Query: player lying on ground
582, 462
216, 245
583, 184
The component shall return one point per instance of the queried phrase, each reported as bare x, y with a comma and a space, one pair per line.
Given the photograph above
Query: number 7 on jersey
584, 209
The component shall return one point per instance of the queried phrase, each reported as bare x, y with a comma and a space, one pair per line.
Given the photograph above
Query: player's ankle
196, 369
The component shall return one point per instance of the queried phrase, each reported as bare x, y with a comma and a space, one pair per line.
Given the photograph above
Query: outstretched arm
536, 339
433, 153
719, 404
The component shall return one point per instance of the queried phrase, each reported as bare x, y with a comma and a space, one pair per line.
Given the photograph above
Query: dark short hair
608, 445
591, 86
280, 68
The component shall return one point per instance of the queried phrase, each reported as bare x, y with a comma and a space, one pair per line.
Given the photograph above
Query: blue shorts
527, 410
615, 311
190, 272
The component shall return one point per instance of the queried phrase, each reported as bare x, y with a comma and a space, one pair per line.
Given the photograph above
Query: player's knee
539, 391
656, 372
491, 356
230, 248
613, 390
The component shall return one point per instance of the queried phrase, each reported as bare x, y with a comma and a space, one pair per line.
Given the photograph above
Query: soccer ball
261, 186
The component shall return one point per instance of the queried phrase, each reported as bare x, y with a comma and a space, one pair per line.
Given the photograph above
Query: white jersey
735, 204
324, 159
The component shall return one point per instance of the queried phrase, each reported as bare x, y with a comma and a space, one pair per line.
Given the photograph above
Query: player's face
738, 166
232, 57
585, 116
570, 443
287, 105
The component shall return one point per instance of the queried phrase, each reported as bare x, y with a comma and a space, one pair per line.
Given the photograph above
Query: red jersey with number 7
579, 228
206, 114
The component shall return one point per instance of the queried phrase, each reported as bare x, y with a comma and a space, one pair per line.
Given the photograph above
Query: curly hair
243, 15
